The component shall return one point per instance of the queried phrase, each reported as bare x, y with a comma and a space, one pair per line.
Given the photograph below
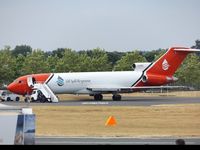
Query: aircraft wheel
26, 100
32, 100
117, 97
98, 97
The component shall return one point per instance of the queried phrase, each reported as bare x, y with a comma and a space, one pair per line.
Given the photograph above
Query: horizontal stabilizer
159, 87
187, 50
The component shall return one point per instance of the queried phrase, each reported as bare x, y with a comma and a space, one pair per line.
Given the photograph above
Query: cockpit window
18, 81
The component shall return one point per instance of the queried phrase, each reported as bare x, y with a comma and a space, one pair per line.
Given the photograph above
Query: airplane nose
11, 87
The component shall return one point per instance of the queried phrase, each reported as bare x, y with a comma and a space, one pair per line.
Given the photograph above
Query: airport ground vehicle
8, 96
38, 96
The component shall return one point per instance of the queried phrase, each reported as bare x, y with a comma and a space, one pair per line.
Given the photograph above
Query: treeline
23, 60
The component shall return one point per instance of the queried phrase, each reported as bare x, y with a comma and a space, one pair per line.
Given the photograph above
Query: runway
111, 141
127, 101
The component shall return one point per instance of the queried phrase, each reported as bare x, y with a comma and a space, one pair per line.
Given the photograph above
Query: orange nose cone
11, 88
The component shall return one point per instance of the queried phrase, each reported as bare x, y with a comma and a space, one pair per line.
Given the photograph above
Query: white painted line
95, 103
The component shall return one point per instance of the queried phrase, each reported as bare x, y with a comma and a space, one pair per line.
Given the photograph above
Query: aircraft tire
117, 97
98, 97
26, 100
32, 100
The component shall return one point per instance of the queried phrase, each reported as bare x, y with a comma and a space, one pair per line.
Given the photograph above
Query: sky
114, 25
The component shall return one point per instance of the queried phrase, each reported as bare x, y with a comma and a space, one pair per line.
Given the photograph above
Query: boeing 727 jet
144, 76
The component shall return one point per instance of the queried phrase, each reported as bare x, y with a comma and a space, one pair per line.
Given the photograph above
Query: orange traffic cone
111, 121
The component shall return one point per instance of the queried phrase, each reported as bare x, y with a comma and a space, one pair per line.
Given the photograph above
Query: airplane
144, 76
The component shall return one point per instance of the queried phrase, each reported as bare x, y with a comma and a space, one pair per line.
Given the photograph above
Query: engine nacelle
140, 66
155, 80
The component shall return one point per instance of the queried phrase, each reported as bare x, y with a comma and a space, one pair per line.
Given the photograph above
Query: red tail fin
161, 72
169, 62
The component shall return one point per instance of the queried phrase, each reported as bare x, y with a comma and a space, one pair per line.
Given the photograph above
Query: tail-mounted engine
140, 66
157, 80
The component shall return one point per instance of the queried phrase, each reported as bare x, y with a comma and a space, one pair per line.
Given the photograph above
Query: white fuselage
77, 83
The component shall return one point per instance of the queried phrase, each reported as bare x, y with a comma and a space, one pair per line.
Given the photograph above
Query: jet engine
155, 80
140, 66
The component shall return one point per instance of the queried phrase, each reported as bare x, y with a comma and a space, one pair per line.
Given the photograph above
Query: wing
130, 89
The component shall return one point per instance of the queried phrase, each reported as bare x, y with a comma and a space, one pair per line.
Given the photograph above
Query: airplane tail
162, 71
169, 62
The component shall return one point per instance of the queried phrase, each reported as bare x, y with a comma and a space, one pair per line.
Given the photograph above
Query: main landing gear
115, 97
98, 97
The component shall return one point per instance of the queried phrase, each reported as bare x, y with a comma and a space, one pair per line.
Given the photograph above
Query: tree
189, 73
22, 49
99, 60
20, 60
59, 52
113, 57
197, 44
69, 62
84, 61
160, 53
7, 61
35, 63
152, 55
52, 63
125, 64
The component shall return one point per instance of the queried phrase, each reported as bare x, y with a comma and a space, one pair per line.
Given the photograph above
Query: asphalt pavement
127, 101
112, 141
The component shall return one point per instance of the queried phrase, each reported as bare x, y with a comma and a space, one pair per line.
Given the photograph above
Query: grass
164, 120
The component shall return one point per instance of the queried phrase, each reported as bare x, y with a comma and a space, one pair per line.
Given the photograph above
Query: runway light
111, 121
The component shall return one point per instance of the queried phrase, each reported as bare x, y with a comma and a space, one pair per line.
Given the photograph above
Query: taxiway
127, 101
